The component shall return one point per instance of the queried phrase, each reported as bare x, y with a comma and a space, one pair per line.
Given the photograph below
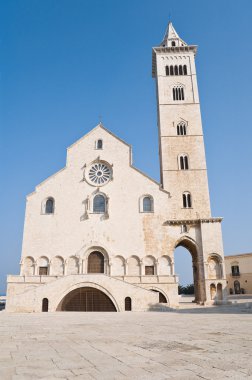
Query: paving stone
152, 346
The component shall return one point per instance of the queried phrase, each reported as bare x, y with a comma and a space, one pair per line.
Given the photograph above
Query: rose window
99, 174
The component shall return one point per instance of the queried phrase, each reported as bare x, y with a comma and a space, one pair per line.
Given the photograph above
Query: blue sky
64, 63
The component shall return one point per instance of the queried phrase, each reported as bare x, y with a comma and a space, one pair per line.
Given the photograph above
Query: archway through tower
187, 268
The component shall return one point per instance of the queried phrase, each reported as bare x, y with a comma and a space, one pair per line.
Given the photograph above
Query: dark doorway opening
45, 304
127, 304
96, 262
87, 299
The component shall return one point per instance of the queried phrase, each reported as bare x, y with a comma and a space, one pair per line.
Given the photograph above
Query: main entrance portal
87, 299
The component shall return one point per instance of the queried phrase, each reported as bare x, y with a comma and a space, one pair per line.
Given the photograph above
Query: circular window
99, 174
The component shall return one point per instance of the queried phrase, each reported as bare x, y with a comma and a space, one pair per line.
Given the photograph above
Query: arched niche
57, 266
118, 266
28, 266
134, 266
73, 265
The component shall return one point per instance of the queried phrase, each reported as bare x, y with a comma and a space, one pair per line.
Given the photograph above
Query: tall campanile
181, 144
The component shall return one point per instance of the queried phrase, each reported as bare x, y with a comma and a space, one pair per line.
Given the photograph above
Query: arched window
180, 70
43, 266
167, 70
96, 262
99, 204
49, 206
181, 129
183, 162
45, 304
185, 69
178, 93
187, 201
147, 204
176, 70
182, 94
99, 144
127, 304
171, 70
173, 43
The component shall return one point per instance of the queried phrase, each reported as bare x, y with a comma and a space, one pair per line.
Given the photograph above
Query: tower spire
171, 37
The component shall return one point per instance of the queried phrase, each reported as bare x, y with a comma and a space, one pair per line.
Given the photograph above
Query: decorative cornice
175, 222
173, 50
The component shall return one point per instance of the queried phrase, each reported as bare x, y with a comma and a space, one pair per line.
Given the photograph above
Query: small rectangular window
43, 271
149, 270
235, 270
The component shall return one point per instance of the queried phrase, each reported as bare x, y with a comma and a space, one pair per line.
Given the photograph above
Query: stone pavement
193, 343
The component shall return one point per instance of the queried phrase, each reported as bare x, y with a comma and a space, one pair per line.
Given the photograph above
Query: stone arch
165, 266
149, 265
73, 265
134, 268
214, 266
83, 285
43, 266
87, 299
118, 266
57, 266
95, 262
28, 266
198, 269
103, 251
161, 292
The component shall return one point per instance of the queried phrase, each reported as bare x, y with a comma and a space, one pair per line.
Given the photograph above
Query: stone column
172, 268
126, 268
65, 267
142, 272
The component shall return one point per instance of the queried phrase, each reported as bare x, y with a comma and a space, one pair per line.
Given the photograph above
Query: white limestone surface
193, 343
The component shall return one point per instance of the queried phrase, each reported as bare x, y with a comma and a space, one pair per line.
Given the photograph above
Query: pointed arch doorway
187, 267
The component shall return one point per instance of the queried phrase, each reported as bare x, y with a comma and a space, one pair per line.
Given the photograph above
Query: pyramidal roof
172, 38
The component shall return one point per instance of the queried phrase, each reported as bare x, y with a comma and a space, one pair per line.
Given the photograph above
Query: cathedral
100, 235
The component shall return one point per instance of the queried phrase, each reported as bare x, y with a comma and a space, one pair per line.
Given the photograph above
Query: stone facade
239, 273
100, 223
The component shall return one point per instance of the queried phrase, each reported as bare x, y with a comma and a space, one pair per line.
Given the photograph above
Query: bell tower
183, 168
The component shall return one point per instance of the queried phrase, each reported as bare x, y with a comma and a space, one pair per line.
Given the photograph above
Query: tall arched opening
95, 262
86, 299
187, 267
